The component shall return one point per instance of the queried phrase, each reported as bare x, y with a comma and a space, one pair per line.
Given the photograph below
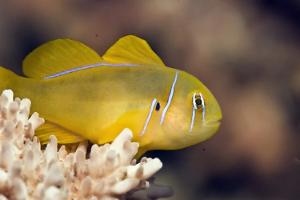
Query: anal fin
63, 135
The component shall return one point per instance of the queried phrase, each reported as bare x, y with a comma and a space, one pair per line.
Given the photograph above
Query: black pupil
198, 102
157, 107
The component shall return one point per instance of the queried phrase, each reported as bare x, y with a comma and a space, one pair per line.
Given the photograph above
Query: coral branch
28, 172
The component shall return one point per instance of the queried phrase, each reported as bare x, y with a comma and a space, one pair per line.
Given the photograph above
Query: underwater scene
148, 100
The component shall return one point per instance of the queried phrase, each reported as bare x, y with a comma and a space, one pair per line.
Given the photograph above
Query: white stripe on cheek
194, 109
163, 115
203, 108
149, 116
193, 119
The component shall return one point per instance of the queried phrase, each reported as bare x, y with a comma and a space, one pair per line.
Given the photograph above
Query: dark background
246, 52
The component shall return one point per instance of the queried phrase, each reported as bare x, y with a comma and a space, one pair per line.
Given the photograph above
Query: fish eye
157, 107
198, 101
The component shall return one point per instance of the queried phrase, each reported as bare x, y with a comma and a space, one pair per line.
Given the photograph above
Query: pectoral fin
63, 135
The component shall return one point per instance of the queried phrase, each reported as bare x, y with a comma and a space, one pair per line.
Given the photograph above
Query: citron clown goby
84, 96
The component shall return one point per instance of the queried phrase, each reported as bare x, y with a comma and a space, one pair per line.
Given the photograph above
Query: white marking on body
163, 115
149, 116
89, 66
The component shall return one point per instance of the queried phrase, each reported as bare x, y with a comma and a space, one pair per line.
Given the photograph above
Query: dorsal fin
56, 56
132, 49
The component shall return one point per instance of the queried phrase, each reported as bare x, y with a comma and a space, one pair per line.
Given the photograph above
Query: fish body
84, 96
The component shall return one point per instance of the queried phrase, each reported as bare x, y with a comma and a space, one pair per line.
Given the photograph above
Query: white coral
27, 172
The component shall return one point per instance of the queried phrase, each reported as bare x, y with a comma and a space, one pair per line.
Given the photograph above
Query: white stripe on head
194, 101
163, 115
89, 66
203, 108
149, 116
195, 108
193, 119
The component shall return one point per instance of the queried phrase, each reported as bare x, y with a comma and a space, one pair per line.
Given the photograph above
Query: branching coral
28, 172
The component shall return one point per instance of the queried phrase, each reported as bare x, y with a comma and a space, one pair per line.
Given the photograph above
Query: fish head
193, 115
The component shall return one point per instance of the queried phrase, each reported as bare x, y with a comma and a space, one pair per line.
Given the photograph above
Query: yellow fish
84, 96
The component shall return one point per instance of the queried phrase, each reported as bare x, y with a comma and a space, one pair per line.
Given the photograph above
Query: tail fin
7, 79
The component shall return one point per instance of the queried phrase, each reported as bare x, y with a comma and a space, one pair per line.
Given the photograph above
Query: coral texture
107, 172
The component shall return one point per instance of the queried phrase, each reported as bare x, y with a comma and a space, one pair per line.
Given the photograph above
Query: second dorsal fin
134, 50
56, 56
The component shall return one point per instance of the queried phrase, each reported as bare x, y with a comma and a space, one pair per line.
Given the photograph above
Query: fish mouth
206, 126
212, 123
204, 131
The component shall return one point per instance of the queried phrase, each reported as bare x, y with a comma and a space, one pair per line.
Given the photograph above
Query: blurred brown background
246, 52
